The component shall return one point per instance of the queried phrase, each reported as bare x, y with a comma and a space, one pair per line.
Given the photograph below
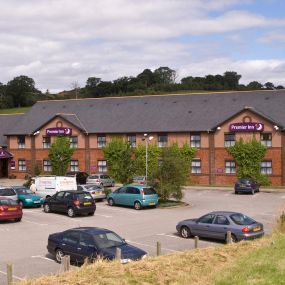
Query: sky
61, 43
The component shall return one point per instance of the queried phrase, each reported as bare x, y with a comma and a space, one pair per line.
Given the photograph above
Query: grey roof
165, 113
6, 123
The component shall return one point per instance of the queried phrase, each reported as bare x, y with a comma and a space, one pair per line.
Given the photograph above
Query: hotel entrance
5, 157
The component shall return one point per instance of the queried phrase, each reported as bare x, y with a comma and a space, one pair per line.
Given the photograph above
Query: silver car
8, 192
96, 191
215, 225
100, 179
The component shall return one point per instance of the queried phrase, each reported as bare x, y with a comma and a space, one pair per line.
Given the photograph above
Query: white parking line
14, 276
142, 244
42, 257
166, 235
119, 210
28, 221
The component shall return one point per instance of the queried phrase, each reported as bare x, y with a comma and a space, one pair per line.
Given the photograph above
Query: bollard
118, 253
66, 262
158, 248
229, 237
9, 274
196, 240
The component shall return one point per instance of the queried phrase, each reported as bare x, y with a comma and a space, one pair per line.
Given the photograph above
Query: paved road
24, 244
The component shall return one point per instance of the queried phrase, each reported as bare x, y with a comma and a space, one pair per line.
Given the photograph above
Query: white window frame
74, 165
162, 140
22, 165
73, 142
101, 141
132, 140
266, 167
46, 142
102, 166
264, 141
196, 166
230, 167
228, 142
21, 141
47, 165
195, 140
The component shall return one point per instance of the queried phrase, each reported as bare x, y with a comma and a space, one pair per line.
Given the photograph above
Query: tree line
21, 91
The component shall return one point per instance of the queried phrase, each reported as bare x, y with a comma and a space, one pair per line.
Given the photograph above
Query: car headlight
144, 256
28, 200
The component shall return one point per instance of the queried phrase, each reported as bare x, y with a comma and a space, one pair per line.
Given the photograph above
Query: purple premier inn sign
58, 131
246, 127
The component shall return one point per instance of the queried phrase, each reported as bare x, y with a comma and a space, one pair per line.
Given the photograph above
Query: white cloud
57, 42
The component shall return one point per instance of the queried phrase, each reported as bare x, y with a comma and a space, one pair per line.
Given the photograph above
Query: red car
10, 210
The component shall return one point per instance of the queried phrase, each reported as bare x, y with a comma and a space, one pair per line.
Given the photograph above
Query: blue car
137, 196
91, 242
27, 198
246, 185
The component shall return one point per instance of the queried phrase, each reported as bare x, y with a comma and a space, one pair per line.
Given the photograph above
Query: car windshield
23, 191
109, 239
245, 181
93, 177
92, 187
149, 191
6, 202
7, 192
241, 219
139, 178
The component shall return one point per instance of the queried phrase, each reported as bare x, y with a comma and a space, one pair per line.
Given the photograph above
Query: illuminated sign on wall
247, 127
59, 132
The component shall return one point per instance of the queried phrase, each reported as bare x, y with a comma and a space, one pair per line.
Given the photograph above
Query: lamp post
146, 139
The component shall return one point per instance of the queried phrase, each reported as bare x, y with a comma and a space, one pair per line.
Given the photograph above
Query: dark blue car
91, 242
246, 185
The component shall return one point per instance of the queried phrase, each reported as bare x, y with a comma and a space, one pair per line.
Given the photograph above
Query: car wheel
47, 208
111, 202
137, 205
185, 232
91, 213
70, 212
59, 254
18, 220
236, 192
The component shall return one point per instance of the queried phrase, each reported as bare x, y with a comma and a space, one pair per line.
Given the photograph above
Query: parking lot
24, 244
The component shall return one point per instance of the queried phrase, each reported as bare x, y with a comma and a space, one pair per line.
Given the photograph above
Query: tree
254, 85
165, 75
173, 171
60, 155
269, 85
231, 80
119, 154
22, 91
92, 82
147, 78
248, 156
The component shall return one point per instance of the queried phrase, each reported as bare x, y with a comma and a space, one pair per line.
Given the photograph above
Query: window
196, 166
195, 140
47, 165
266, 139
230, 139
230, 166
22, 165
207, 219
21, 142
71, 238
46, 142
221, 220
101, 141
266, 167
132, 140
74, 165
162, 140
73, 142
102, 166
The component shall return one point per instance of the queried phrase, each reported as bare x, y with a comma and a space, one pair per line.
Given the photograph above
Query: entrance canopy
5, 154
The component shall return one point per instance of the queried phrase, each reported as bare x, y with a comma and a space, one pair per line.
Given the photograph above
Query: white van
49, 185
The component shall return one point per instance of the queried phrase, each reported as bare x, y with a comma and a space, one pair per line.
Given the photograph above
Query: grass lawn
14, 110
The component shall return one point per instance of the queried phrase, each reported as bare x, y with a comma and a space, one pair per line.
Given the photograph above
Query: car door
70, 243
60, 202
220, 227
202, 226
120, 196
130, 196
86, 247
54, 201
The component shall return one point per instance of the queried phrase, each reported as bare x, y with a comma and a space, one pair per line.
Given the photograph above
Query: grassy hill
260, 261
14, 110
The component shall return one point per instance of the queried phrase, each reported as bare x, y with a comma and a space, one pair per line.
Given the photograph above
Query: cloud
57, 42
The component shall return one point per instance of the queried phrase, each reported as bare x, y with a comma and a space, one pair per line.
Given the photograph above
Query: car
96, 191
71, 202
27, 198
100, 179
81, 176
139, 180
91, 242
137, 196
215, 225
246, 185
10, 210
8, 192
